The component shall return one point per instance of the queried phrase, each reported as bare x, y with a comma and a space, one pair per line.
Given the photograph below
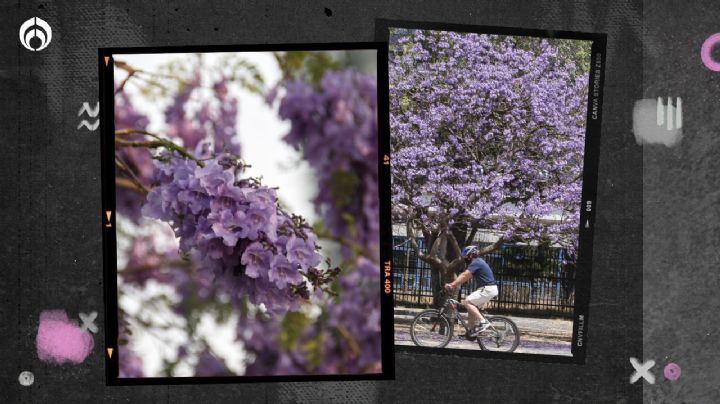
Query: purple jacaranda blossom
256, 260
335, 126
303, 252
232, 215
137, 160
131, 365
256, 221
283, 272
209, 365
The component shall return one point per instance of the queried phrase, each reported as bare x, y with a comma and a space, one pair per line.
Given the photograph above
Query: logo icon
35, 34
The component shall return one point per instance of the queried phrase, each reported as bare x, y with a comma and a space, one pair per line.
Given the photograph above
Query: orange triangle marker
110, 351
107, 59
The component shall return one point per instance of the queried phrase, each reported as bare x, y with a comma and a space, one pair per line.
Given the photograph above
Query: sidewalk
551, 336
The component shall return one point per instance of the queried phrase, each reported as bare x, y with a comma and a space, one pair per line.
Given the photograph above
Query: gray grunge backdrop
50, 217
681, 213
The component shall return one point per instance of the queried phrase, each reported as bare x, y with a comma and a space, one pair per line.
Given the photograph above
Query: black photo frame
106, 94
589, 182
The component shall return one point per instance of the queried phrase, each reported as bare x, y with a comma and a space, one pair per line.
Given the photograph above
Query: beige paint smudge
656, 122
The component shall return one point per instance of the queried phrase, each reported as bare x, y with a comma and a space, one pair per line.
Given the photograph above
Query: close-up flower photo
247, 213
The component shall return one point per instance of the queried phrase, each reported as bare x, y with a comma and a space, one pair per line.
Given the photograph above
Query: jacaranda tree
487, 134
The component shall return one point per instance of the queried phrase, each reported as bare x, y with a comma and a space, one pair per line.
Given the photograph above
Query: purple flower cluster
346, 339
130, 364
335, 126
488, 130
147, 260
356, 313
234, 239
137, 160
209, 365
234, 229
215, 121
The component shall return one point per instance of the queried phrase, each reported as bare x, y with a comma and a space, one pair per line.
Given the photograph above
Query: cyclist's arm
460, 280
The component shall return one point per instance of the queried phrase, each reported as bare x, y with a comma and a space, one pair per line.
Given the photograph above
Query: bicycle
435, 328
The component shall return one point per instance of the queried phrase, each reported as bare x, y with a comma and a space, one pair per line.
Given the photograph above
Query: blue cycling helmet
468, 250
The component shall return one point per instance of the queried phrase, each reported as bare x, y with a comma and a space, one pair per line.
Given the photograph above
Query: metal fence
531, 279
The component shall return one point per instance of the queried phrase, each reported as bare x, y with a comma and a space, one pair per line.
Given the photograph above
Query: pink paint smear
61, 340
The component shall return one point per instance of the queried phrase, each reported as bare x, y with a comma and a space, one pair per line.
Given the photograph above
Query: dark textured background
681, 191
50, 220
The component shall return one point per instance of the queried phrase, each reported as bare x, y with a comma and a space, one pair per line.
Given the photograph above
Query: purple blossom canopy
488, 131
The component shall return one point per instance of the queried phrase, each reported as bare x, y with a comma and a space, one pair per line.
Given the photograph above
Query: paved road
537, 335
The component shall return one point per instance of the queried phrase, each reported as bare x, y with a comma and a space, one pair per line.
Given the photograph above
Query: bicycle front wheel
501, 336
431, 329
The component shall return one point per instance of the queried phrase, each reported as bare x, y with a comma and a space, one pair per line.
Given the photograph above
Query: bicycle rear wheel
501, 336
431, 329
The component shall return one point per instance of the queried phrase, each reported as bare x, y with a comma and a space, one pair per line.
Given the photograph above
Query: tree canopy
487, 133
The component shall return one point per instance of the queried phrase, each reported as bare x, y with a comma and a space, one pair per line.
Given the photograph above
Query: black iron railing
531, 279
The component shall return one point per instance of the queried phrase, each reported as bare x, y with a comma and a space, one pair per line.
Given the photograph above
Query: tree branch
454, 244
493, 247
133, 178
471, 238
161, 142
414, 245
128, 184
442, 250
355, 247
149, 144
435, 246
130, 131
132, 71
179, 263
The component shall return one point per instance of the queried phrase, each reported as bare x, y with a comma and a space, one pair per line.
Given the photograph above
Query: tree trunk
436, 287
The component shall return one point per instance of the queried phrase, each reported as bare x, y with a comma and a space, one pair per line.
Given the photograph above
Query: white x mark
642, 371
89, 321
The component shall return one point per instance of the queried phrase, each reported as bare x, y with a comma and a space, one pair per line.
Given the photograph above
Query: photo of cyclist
487, 289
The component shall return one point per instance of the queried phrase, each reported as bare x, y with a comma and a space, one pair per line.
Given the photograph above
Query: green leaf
306, 66
319, 228
315, 351
405, 102
291, 328
343, 187
350, 220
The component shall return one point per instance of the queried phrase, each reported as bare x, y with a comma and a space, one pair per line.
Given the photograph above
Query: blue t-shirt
481, 272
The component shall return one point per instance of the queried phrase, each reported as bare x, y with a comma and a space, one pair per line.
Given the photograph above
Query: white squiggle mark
90, 111
91, 127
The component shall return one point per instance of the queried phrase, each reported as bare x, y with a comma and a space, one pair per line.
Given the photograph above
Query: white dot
26, 378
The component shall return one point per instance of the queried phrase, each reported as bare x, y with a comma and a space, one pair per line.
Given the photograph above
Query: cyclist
487, 289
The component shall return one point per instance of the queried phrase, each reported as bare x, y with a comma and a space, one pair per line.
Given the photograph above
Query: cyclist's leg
476, 301
470, 303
